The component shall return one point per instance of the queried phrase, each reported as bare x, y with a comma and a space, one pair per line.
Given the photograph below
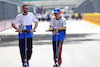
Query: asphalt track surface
81, 47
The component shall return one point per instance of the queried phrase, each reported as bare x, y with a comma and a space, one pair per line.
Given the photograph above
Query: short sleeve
34, 18
64, 23
51, 22
16, 20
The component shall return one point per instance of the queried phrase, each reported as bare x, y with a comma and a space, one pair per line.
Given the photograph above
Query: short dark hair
25, 5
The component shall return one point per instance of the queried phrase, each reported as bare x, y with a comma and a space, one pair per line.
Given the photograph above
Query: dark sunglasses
26, 8
55, 13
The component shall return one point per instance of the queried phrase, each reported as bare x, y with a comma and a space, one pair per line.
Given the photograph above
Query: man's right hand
19, 30
50, 30
15, 27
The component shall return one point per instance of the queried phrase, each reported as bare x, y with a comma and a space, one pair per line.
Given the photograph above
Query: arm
51, 25
16, 20
36, 24
50, 28
62, 28
15, 27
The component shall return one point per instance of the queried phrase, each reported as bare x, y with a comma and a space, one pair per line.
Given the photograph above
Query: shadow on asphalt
12, 40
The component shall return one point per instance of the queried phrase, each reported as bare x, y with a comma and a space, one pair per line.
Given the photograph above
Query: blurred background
81, 46
43, 9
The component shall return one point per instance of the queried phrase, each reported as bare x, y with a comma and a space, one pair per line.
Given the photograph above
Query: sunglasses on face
26, 8
55, 13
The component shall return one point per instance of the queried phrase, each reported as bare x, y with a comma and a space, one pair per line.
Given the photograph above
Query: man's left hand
56, 31
32, 30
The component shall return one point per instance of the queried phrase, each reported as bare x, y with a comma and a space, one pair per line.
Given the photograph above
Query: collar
59, 18
25, 13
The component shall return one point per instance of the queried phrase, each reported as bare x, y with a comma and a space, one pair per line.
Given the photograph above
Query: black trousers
22, 48
60, 43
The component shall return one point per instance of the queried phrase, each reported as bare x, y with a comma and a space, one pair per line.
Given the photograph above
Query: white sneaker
54, 65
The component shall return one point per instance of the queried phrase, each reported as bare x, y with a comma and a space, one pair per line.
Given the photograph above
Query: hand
56, 31
19, 30
50, 30
32, 30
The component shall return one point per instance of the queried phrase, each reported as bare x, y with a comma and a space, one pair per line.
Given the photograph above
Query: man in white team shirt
26, 18
58, 23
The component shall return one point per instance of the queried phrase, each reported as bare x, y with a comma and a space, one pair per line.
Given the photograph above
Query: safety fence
5, 24
92, 17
